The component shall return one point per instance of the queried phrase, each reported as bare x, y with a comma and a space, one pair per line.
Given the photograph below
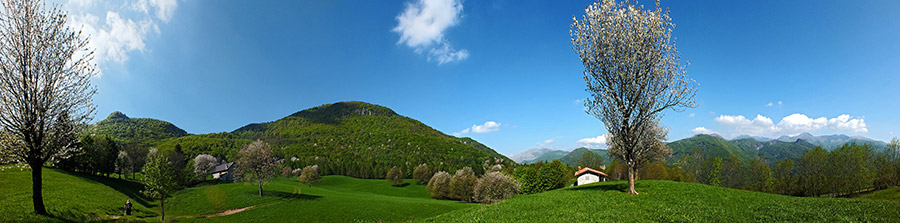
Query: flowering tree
633, 72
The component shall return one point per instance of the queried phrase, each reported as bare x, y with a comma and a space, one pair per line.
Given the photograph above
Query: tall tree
123, 163
591, 160
785, 178
887, 165
159, 179
256, 162
733, 172
759, 175
45, 86
811, 168
633, 72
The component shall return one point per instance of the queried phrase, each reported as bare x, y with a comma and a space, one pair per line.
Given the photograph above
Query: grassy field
68, 197
891, 194
335, 199
666, 201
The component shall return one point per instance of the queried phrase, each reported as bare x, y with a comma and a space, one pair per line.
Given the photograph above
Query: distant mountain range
744, 147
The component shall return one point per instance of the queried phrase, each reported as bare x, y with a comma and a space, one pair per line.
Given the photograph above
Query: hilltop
140, 131
365, 140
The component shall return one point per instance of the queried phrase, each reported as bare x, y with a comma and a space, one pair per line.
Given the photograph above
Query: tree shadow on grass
401, 185
131, 189
622, 187
285, 195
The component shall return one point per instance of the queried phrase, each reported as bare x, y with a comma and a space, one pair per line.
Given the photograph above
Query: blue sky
502, 72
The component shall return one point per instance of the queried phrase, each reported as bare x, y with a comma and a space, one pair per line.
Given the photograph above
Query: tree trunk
631, 174
162, 208
259, 182
37, 194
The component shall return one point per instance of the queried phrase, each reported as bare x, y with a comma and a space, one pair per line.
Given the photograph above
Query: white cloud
791, 124
702, 130
691, 115
422, 24
122, 30
461, 132
489, 126
770, 104
779, 102
594, 142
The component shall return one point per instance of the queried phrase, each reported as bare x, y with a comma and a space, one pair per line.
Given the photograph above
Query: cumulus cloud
594, 142
122, 28
770, 104
489, 126
422, 25
791, 124
702, 130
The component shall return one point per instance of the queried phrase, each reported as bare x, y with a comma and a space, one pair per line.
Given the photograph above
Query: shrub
286, 172
552, 176
439, 185
309, 175
495, 186
462, 184
395, 176
422, 174
528, 179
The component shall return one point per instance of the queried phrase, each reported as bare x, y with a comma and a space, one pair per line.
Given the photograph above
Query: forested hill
140, 131
746, 148
365, 140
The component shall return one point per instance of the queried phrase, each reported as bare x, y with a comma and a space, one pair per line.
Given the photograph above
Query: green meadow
78, 198
667, 201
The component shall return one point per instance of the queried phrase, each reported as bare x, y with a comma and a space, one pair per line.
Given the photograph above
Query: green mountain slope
667, 201
574, 157
364, 140
710, 146
776, 150
140, 131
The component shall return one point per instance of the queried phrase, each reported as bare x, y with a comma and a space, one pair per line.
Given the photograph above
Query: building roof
588, 170
223, 167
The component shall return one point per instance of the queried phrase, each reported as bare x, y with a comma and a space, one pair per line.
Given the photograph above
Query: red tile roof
588, 170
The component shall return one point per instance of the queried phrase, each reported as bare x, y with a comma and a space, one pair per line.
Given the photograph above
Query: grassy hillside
141, 131
891, 194
365, 140
666, 201
68, 197
335, 199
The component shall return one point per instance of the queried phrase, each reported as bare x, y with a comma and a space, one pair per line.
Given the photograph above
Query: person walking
127, 207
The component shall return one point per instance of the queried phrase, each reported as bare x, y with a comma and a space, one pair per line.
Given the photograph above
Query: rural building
588, 175
224, 172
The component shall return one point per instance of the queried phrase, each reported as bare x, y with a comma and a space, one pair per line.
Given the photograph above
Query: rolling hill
365, 140
829, 142
711, 146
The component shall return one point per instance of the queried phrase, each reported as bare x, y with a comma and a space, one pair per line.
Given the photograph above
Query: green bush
462, 185
495, 186
422, 174
395, 176
439, 185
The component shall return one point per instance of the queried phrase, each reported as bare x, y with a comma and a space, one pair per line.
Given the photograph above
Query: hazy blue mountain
530, 154
547, 156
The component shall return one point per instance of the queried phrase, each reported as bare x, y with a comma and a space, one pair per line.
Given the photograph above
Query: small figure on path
128, 207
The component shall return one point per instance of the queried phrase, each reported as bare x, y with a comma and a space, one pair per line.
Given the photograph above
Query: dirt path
238, 210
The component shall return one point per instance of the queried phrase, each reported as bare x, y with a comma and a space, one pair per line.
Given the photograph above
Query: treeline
104, 156
848, 169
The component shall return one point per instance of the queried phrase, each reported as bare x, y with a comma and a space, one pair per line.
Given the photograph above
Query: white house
588, 175
223, 172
